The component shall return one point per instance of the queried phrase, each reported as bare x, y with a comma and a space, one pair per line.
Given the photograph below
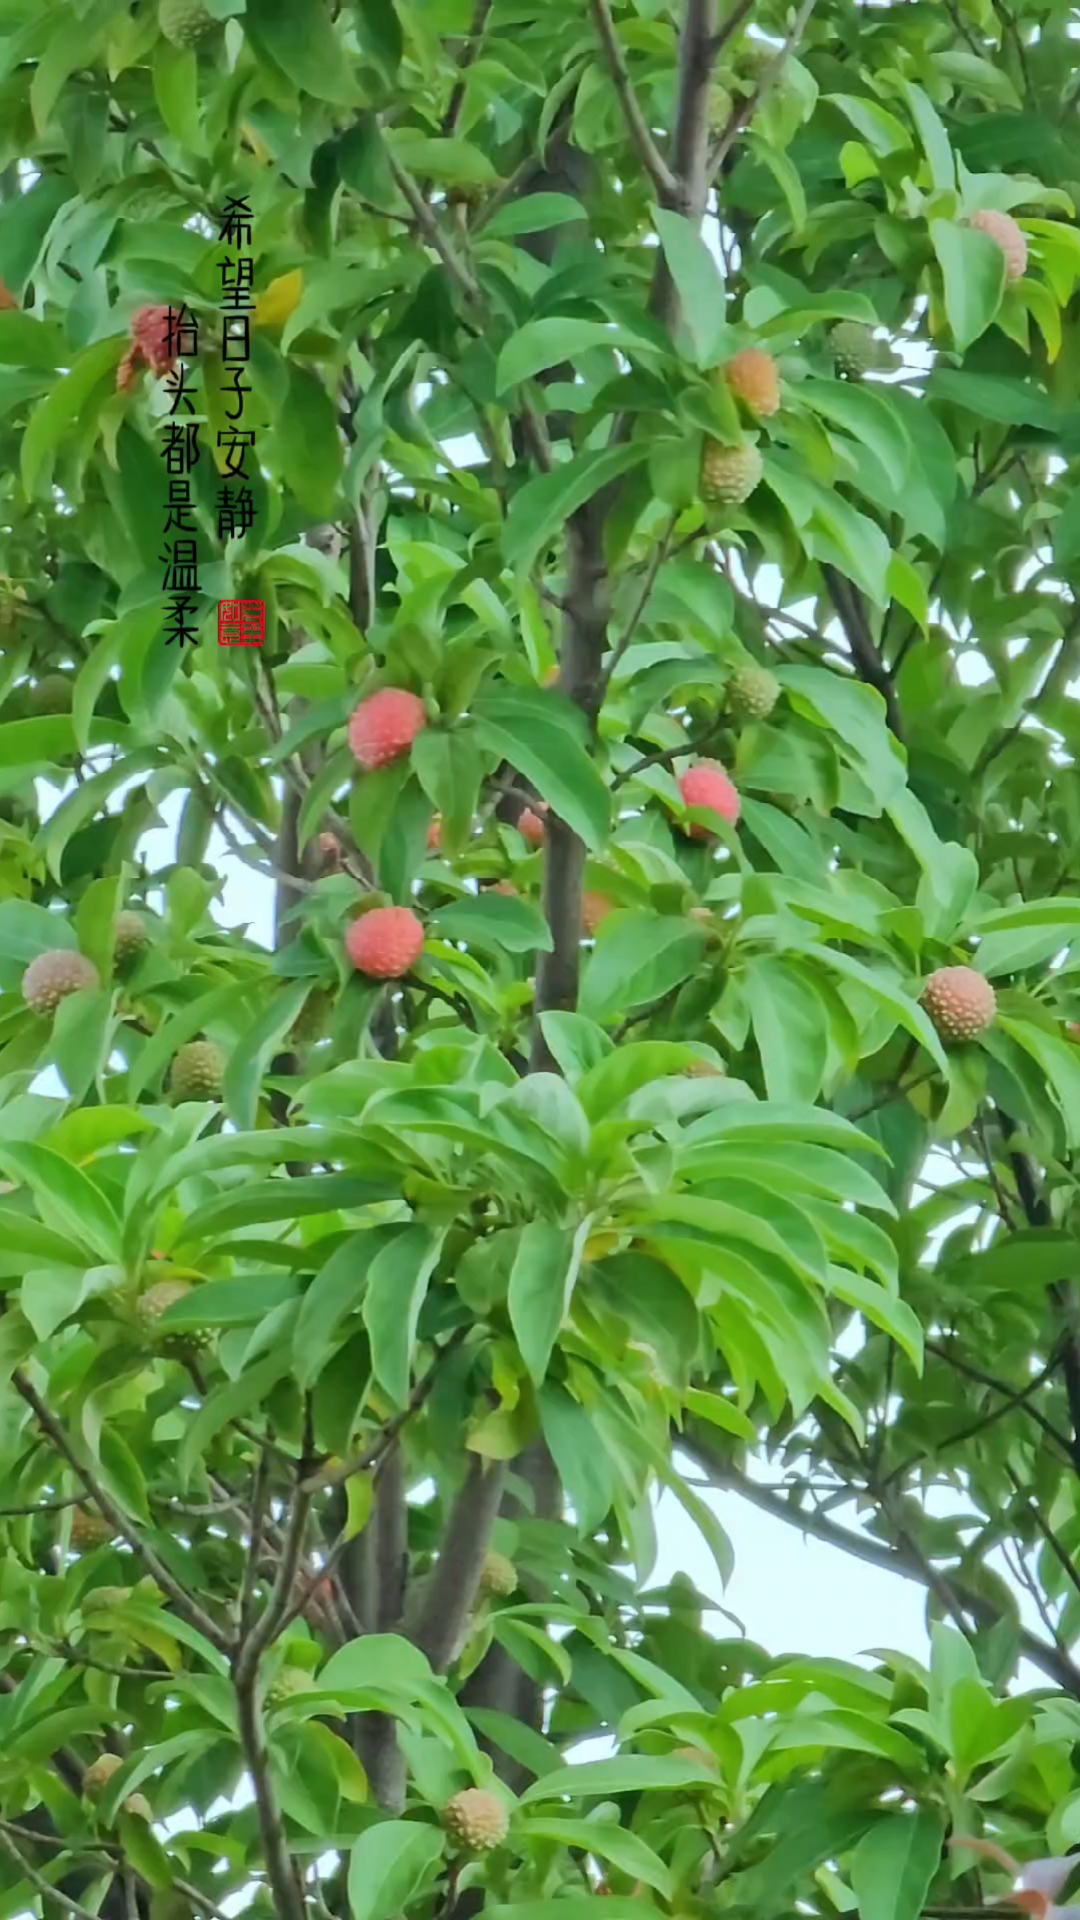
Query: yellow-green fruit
52, 976
752, 693
155, 1302
720, 104
729, 474
287, 1684
498, 1576
854, 349
703, 1070
185, 22
99, 1773
52, 694
477, 1819
138, 1804
89, 1530
198, 1072
131, 936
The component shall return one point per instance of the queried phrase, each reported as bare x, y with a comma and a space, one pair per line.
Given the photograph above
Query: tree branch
285, 1885
453, 1585
666, 183
1057, 1666
381, 1554
742, 116
869, 665
186, 1607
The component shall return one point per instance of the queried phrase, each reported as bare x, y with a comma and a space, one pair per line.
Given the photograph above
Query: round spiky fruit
384, 726
385, 943
139, 1805
1002, 228
595, 907
530, 825
99, 1773
854, 349
313, 1018
153, 1304
752, 693
132, 935
498, 1576
477, 1819
185, 22
707, 785
52, 694
52, 976
287, 1684
961, 1003
753, 378
197, 1073
729, 474
90, 1530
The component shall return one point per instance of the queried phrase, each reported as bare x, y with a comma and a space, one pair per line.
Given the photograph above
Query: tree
636, 390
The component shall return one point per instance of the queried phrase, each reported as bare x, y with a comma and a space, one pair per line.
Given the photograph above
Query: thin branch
741, 117
259, 1499
665, 182
431, 229
465, 60
186, 1607
868, 662
371, 1455
659, 555
44, 1887
1057, 1666
455, 1581
1016, 1397
664, 757
253, 1644
285, 1884
1031, 1508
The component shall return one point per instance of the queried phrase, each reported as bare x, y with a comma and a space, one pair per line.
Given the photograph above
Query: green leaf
548, 342
388, 1865
698, 281
335, 1293
973, 270
791, 1027
309, 445
26, 342
544, 738
894, 1864
227, 1403
66, 1194
534, 213
867, 417
541, 508
304, 47
542, 1282
451, 163
54, 416
449, 767
626, 1773
624, 1848
397, 1283
253, 1050
638, 958
494, 922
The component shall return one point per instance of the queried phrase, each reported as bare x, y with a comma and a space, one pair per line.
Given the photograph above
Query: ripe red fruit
961, 1003
384, 726
707, 785
385, 943
531, 826
150, 346
1010, 238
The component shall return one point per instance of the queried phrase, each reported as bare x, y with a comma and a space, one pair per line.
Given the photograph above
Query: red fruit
150, 346
384, 726
707, 785
385, 943
531, 827
594, 908
1010, 238
961, 1003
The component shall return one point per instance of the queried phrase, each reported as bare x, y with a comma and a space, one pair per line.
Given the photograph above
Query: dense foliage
638, 390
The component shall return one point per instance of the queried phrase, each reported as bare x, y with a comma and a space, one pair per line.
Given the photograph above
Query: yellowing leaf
280, 299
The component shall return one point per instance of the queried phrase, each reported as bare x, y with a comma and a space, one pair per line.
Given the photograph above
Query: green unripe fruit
51, 695
313, 1018
90, 1530
752, 693
131, 936
105, 1597
155, 1302
99, 1773
729, 474
287, 1684
198, 1072
854, 349
185, 23
498, 1576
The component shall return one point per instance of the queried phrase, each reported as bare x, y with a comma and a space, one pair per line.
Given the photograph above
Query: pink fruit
1003, 228
385, 943
961, 1003
594, 908
384, 726
531, 827
707, 785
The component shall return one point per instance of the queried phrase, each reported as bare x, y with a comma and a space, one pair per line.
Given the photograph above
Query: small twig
665, 182
465, 60
371, 1455
259, 1498
44, 1887
741, 117
656, 562
431, 229
1015, 1397
189, 1609
665, 756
